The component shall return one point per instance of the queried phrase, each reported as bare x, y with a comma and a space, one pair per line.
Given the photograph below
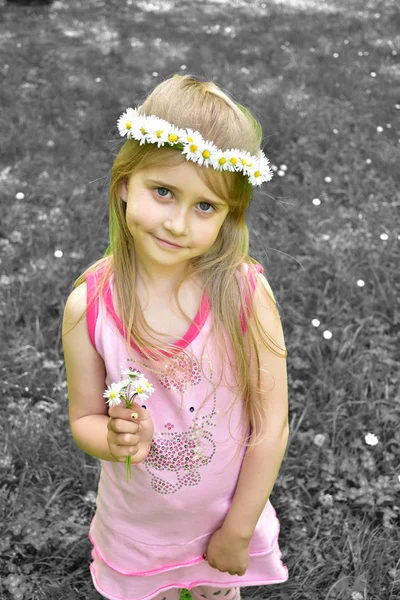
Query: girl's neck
164, 286
160, 279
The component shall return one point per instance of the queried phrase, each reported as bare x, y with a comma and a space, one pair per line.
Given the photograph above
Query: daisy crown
153, 130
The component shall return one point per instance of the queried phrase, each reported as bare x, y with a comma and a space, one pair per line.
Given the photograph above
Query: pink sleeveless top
150, 534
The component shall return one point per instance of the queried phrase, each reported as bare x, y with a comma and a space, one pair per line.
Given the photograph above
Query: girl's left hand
227, 553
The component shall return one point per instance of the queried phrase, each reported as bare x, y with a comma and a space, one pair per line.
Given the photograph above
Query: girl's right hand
127, 436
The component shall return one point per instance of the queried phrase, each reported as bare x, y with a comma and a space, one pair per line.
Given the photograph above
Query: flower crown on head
153, 130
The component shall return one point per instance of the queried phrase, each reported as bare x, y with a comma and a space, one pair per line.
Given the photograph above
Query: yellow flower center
139, 390
159, 133
244, 162
222, 160
173, 137
143, 130
193, 147
206, 153
233, 160
147, 384
113, 394
189, 138
128, 124
257, 173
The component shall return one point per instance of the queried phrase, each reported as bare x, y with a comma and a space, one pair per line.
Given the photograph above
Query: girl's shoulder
254, 272
86, 289
75, 305
96, 277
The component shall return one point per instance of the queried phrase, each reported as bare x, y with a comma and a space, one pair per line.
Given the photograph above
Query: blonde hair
202, 106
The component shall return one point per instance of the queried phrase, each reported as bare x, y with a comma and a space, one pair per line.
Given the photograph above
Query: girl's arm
261, 464
86, 376
97, 429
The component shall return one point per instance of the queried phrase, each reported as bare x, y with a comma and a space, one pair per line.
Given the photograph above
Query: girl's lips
169, 244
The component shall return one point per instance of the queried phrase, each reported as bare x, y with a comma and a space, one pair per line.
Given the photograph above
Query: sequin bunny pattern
184, 453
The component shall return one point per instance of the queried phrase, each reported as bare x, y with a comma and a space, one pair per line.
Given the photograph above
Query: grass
323, 78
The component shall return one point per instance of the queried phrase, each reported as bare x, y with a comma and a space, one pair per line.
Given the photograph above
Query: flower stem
128, 467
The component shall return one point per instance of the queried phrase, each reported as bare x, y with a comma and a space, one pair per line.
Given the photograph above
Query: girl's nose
177, 222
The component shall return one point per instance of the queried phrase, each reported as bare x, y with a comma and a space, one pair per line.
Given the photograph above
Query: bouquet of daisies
132, 385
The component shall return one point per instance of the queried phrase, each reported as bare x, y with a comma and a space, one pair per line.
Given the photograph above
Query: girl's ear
123, 189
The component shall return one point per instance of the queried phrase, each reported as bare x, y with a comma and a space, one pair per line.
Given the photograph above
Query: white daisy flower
158, 131
125, 383
264, 160
219, 161
204, 154
126, 121
139, 129
131, 374
259, 171
139, 388
113, 394
234, 162
175, 134
192, 142
371, 439
245, 159
148, 387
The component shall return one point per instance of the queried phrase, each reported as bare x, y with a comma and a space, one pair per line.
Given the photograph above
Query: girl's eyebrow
176, 189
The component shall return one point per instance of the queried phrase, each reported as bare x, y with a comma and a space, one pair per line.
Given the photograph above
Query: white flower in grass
113, 393
319, 439
371, 439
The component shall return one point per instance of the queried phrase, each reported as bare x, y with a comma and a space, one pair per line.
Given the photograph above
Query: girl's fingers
121, 412
123, 426
124, 439
122, 452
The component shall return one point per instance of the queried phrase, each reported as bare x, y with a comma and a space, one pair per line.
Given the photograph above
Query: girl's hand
127, 436
228, 554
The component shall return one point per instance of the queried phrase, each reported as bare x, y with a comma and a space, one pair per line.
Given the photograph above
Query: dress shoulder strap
92, 303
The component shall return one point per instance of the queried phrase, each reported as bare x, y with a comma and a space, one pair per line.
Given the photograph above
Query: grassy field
324, 80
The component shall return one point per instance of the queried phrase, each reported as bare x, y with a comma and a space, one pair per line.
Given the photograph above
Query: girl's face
171, 204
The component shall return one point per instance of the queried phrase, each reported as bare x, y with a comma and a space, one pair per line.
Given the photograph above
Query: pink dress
150, 534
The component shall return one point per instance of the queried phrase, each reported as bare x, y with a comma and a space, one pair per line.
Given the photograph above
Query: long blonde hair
202, 106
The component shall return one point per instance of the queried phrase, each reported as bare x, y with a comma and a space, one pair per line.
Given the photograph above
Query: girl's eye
162, 188
206, 204
209, 205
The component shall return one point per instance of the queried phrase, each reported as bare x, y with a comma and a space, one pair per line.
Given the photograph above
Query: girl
178, 299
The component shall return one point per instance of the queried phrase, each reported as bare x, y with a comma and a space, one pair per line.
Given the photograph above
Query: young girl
178, 299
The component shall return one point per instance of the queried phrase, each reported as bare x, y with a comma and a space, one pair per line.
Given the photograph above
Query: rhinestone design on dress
184, 453
180, 378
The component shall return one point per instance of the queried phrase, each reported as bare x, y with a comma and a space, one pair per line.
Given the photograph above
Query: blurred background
323, 79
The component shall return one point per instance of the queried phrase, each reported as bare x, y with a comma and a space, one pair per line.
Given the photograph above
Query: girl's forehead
181, 169
184, 174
